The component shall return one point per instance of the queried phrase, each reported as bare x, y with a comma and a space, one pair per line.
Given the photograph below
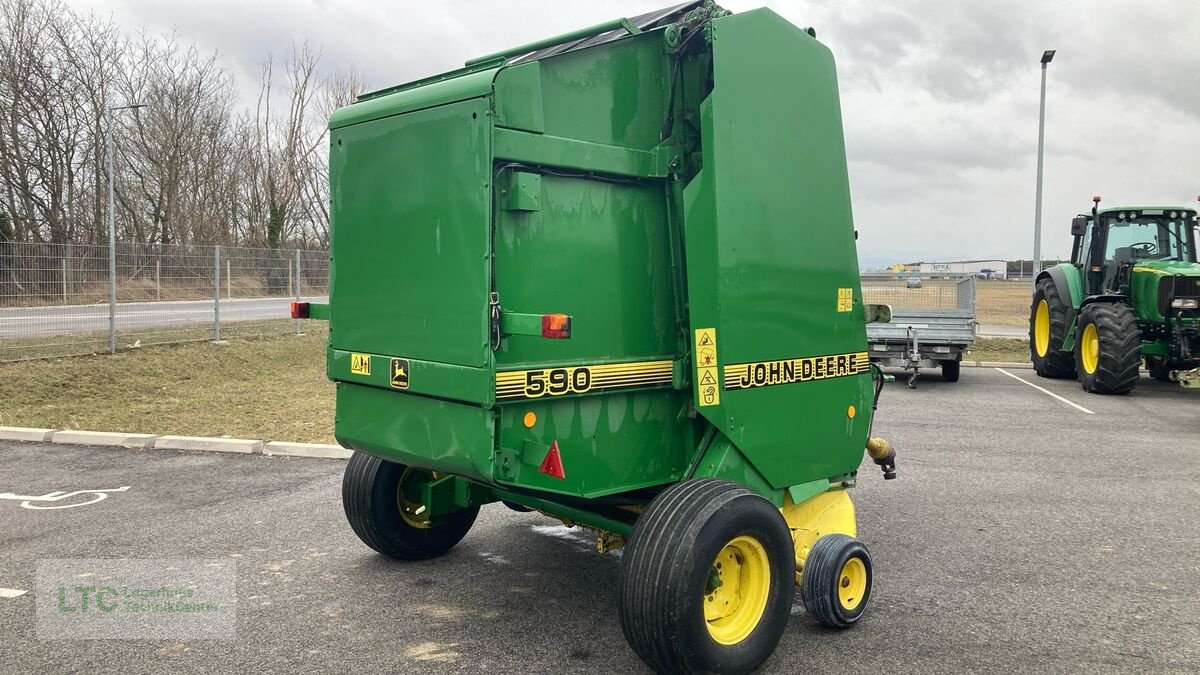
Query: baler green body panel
411, 201
770, 243
577, 183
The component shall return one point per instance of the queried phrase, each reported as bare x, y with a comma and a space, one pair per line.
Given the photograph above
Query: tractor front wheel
382, 500
1108, 348
707, 579
1049, 318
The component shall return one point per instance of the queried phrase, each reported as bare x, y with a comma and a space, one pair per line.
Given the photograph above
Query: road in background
24, 322
1023, 534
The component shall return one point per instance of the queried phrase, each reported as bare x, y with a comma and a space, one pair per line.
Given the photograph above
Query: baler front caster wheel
836, 582
707, 579
912, 379
382, 503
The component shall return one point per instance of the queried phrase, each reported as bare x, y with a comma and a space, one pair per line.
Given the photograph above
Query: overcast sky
940, 97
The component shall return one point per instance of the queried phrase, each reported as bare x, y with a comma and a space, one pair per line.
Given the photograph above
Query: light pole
1047, 57
112, 228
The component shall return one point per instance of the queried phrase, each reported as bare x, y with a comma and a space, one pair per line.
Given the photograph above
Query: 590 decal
517, 384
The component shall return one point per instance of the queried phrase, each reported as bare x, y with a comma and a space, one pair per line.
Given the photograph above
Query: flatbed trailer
932, 324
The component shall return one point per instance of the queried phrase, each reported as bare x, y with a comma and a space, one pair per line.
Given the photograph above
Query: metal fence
55, 298
919, 291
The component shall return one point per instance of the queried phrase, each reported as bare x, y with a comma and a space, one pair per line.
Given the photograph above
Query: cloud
939, 97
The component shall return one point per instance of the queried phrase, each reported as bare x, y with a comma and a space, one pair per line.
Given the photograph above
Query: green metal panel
598, 252
459, 383
410, 207
415, 430
519, 98
614, 94
411, 97
770, 245
608, 444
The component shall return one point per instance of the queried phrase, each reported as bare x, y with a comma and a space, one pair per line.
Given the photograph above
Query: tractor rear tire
372, 498
1049, 360
836, 583
950, 370
707, 579
1108, 348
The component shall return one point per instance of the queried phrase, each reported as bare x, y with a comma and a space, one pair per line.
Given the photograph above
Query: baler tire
827, 576
369, 497
667, 574
950, 370
1118, 360
1055, 363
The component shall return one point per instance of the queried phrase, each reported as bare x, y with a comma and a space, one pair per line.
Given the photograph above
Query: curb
117, 439
307, 450
104, 438
997, 364
205, 444
26, 434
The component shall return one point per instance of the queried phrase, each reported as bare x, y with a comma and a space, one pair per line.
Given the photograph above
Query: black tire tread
950, 370
1120, 348
1057, 364
387, 533
821, 569
658, 558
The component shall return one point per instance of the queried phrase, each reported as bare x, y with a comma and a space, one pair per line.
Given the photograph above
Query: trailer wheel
950, 370
707, 579
836, 583
381, 500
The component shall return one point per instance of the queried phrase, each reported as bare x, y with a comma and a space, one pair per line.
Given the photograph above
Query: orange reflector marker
552, 464
850, 412
299, 310
530, 419
556, 326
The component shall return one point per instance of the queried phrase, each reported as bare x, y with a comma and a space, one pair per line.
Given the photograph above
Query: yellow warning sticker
708, 379
787, 371
360, 364
845, 299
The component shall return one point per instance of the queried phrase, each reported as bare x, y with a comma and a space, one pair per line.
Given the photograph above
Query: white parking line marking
11, 593
1046, 392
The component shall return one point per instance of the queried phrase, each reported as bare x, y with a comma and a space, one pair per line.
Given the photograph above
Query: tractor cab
1112, 243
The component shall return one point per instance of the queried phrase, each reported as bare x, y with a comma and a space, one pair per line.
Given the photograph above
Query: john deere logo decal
399, 373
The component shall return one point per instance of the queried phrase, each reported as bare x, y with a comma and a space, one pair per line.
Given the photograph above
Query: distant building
987, 269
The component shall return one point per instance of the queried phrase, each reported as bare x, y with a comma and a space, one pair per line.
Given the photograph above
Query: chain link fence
55, 298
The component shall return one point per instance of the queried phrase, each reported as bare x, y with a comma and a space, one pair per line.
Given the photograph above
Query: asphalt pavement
1026, 533
26, 322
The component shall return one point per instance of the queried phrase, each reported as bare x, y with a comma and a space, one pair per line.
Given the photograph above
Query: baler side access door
780, 360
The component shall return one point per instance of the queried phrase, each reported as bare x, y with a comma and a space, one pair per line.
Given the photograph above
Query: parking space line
1046, 392
11, 593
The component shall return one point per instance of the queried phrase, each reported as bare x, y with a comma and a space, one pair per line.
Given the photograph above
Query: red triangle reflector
552, 464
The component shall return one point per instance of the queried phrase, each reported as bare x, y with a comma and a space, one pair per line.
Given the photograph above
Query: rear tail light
299, 310
556, 326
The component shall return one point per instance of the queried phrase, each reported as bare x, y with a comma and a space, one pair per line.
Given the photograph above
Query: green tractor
1131, 292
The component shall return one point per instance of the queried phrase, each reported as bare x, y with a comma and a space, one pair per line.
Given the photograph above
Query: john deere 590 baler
611, 277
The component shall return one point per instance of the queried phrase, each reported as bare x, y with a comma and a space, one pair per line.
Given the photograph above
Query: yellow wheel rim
1041, 328
852, 584
408, 497
738, 586
1089, 348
